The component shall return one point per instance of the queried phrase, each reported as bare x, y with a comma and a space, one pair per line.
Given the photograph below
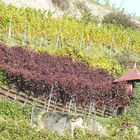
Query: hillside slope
108, 46
73, 7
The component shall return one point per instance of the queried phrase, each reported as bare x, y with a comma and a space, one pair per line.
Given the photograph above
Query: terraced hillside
108, 46
66, 62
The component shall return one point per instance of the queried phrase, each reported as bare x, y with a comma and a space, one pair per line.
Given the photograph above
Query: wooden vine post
70, 106
32, 113
55, 106
94, 117
75, 109
57, 40
90, 106
25, 36
112, 44
51, 93
104, 110
81, 42
10, 31
33, 108
25, 33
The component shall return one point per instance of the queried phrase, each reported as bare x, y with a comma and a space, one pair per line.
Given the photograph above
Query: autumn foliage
36, 74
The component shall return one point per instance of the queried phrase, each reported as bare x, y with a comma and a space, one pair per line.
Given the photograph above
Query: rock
56, 122
60, 123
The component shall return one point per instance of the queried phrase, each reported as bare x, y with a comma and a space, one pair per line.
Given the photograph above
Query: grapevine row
111, 47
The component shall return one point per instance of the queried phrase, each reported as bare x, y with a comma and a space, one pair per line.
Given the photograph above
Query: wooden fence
51, 105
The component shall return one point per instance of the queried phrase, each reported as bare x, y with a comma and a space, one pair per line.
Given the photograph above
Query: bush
62, 4
13, 110
3, 78
126, 59
19, 130
120, 18
89, 18
38, 73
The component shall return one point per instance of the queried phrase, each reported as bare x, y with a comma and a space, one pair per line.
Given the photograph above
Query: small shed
132, 76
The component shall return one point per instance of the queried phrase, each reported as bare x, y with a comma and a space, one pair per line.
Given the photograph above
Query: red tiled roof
132, 75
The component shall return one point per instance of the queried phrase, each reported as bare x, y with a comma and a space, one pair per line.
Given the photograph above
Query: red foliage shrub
37, 73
